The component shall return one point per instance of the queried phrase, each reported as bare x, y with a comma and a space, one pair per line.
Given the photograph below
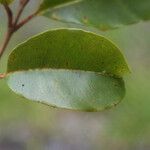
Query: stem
6, 41
13, 27
23, 3
9, 30
26, 20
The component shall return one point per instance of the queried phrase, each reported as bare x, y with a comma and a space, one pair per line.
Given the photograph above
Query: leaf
68, 49
68, 68
54, 3
77, 90
6, 1
103, 14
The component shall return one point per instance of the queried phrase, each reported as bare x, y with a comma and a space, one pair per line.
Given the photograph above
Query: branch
23, 3
10, 31
13, 27
26, 20
6, 41
9, 15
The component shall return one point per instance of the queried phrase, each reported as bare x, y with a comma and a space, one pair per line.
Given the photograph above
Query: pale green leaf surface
77, 90
68, 49
54, 3
103, 14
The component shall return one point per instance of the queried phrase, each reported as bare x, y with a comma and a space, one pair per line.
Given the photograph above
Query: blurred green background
25, 125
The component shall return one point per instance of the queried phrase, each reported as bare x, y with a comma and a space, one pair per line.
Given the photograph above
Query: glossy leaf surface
68, 49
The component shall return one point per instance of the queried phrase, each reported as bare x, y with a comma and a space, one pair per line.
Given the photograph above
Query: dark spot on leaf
22, 85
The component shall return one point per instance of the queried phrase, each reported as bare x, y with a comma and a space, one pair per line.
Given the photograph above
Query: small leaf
78, 90
6, 1
68, 49
68, 68
54, 3
103, 14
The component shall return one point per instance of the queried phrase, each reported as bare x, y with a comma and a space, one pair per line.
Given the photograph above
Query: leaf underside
78, 90
103, 14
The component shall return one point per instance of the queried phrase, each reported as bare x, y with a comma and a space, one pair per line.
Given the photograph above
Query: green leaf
103, 14
68, 49
54, 3
6, 1
77, 90
68, 68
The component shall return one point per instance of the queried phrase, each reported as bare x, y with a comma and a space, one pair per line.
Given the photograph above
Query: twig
9, 30
23, 22
6, 41
23, 3
9, 15
13, 27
